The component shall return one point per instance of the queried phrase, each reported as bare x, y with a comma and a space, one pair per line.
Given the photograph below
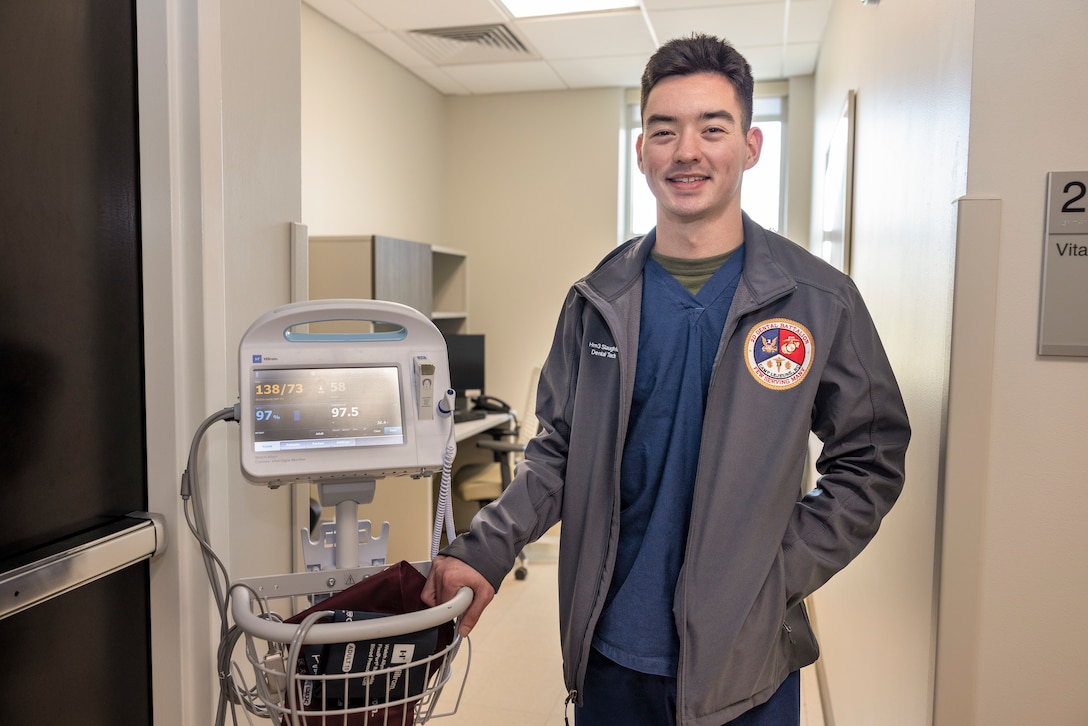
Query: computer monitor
466, 356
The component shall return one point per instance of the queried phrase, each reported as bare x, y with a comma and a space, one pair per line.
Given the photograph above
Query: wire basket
380, 671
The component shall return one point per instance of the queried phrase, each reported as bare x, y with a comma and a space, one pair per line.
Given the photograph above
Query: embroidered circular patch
779, 353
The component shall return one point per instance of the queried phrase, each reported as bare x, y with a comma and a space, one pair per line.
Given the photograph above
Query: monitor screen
321, 408
466, 356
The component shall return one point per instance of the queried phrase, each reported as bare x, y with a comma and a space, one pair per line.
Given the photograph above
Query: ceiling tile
807, 19
761, 24
765, 60
589, 35
416, 14
581, 51
506, 77
622, 71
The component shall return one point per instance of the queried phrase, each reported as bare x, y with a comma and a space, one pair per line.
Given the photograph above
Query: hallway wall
1015, 539
909, 64
997, 483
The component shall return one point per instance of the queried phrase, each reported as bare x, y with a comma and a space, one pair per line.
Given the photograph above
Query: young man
686, 373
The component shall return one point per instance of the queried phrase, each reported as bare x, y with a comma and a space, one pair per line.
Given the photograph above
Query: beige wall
1027, 662
909, 64
372, 140
261, 152
532, 194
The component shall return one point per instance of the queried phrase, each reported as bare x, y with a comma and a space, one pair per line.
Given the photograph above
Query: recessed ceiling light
537, 8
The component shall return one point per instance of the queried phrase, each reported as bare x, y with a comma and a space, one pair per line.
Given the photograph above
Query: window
761, 195
641, 205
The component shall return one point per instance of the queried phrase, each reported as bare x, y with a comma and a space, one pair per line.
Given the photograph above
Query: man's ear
638, 152
755, 146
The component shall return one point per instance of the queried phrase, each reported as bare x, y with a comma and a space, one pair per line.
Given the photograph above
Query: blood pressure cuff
393, 591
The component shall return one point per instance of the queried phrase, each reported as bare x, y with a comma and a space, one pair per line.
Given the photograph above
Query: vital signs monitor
342, 406
338, 393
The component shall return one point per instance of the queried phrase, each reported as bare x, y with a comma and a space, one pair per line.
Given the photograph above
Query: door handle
44, 574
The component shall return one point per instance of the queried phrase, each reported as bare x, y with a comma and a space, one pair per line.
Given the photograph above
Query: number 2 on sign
1078, 195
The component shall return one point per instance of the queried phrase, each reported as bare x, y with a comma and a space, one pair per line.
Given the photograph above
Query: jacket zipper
728, 330
572, 695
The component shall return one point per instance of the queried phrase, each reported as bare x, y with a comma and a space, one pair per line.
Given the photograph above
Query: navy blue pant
617, 695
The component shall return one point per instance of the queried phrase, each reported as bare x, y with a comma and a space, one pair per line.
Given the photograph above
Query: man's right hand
447, 576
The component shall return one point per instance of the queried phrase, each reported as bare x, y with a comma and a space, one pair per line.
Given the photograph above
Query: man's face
693, 150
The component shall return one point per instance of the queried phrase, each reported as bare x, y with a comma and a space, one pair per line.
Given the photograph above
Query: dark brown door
71, 361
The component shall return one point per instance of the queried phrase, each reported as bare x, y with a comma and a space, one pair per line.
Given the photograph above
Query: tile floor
515, 677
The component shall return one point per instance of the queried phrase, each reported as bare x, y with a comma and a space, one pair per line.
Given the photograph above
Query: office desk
468, 429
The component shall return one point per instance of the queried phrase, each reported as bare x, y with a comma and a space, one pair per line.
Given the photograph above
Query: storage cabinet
449, 290
431, 279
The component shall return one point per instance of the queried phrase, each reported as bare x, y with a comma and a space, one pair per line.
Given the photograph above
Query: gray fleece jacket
798, 353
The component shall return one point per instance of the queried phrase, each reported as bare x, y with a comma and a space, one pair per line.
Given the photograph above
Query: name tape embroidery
603, 350
779, 353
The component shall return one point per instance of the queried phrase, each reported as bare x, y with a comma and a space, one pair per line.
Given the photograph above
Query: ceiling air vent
469, 44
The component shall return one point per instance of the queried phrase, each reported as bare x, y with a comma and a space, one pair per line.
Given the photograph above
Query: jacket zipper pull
789, 630
571, 697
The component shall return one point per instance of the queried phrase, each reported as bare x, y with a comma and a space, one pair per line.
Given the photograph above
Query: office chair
484, 482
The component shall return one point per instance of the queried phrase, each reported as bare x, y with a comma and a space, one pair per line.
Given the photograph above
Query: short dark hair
700, 53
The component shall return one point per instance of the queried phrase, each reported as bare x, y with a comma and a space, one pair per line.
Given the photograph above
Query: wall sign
1063, 324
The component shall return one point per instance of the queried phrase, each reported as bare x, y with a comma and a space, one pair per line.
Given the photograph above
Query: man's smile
687, 179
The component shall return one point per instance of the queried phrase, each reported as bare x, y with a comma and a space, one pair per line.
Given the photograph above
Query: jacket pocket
800, 646
797, 646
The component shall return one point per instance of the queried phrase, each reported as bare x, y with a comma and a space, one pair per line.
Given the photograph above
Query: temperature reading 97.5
345, 411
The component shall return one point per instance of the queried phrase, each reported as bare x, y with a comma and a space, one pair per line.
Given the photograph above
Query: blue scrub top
678, 340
